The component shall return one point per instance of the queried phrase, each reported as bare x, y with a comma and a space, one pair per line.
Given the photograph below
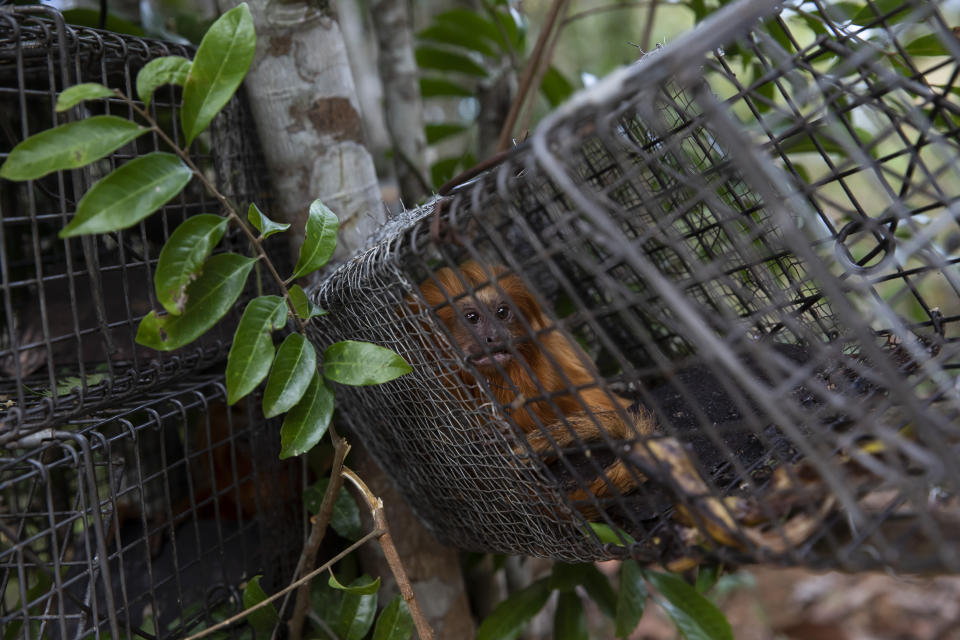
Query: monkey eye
472, 317
503, 311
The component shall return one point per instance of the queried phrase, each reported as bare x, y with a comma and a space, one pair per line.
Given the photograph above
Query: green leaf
129, 194
265, 618
69, 146
304, 306
929, 45
182, 258
223, 59
362, 363
707, 576
696, 617
434, 87
472, 22
305, 424
631, 599
80, 92
264, 225
320, 240
444, 60
447, 33
346, 514
290, 375
555, 86
444, 169
441, 130
569, 621
362, 588
161, 71
565, 576
210, 296
91, 18
252, 351
395, 622
356, 614
508, 619
599, 589
609, 535
871, 14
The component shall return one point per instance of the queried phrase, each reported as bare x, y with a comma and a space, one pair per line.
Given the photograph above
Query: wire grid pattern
70, 308
768, 266
145, 520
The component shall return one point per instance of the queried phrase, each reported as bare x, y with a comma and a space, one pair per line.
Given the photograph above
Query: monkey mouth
500, 356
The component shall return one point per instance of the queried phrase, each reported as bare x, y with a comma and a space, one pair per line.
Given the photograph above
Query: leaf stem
224, 202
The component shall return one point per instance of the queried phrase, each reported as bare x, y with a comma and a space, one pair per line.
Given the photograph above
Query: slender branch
293, 585
527, 88
321, 521
538, 76
231, 212
375, 505
645, 43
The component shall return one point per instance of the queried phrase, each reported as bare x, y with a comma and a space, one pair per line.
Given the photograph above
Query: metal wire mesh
69, 309
767, 267
145, 520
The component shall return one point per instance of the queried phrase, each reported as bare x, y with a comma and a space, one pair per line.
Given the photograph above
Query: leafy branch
196, 286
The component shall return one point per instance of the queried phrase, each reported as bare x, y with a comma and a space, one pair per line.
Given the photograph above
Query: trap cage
145, 520
752, 236
70, 308
133, 501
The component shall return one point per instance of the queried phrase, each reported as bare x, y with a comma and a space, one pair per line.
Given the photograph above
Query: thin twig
645, 44
304, 580
320, 523
393, 558
231, 212
529, 73
538, 77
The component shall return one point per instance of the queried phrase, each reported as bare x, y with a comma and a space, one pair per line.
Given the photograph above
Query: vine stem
375, 505
231, 211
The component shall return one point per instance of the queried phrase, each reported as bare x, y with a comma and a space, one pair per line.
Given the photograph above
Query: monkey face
486, 324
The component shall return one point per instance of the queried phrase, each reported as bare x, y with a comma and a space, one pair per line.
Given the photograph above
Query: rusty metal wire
752, 232
69, 309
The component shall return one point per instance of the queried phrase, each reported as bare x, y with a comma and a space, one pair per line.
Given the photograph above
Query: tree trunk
303, 100
401, 95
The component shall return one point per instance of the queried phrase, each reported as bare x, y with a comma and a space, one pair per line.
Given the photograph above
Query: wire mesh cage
145, 520
69, 308
709, 309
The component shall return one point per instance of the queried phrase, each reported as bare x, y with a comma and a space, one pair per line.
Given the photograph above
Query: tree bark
304, 102
401, 95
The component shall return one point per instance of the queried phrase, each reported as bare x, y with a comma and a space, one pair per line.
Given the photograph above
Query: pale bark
304, 102
401, 94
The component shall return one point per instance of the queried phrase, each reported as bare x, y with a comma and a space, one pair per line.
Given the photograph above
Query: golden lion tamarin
542, 379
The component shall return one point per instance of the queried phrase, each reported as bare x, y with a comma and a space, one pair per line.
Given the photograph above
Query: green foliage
319, 242
346, 514
69, 146
631, 599
569, 621
223, 59
264, 225
358, 586
161, 71
395, 622
79, 92
252, 350
308, 420
350, 615
696, 617
182, 257
508, 619
290, 375
361, 363
303, 305
209, 297
265, 618
129, 194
